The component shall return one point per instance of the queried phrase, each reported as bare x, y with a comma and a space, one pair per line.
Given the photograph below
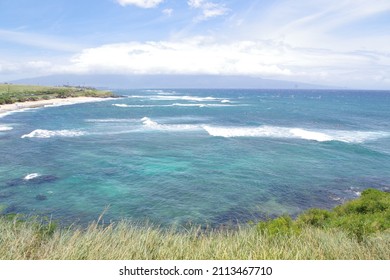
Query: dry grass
356, 230
31, 240
4, 88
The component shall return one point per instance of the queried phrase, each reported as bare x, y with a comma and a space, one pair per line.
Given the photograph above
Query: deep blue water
195, 156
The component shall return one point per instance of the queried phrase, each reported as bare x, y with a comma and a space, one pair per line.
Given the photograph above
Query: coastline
9, 108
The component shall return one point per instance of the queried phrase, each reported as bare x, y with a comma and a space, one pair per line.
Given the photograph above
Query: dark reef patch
6, 194
41, 197
43, 179
14, 183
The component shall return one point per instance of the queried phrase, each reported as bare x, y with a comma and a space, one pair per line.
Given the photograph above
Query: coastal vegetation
358, 229
10, 93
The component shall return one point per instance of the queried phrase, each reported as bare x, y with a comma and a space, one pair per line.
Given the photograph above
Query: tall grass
281, 238
131, 241
13, 88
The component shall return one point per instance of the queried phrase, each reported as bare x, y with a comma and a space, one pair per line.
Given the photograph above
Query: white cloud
202, 55
192, 56
167, 12
195, 3
141, 3
209, 9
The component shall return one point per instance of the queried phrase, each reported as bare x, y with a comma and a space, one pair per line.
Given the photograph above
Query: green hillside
10, 93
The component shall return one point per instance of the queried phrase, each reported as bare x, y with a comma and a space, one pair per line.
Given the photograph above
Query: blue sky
330, 42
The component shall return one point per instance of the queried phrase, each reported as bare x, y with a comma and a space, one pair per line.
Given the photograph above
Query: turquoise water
195, 156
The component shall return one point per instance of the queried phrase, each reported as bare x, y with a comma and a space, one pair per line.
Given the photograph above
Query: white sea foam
61, 104
2, 115
43, 133
121, 105
225, 101
295, 133
172, 97
148, 122
31, 176
270, 132
5, 128
200, 105
79, 101
139, 106
310, 135
189, 105
263, 131
355, 191
137, 96
185, 97
153, 125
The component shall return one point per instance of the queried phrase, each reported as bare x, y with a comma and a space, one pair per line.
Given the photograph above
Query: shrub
315, 217
359, 218
372, 201
5, 100
283, 225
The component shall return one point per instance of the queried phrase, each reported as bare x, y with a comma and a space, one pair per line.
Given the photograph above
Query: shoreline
9, 108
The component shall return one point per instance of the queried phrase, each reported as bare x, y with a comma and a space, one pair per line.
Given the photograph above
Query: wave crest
5, 128
200, 105
43, 133
166, 97
31, 176
150, 124
295, 133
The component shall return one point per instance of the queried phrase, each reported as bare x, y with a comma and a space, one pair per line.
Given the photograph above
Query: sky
341, 43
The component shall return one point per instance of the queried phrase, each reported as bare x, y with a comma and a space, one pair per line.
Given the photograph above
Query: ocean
203, 157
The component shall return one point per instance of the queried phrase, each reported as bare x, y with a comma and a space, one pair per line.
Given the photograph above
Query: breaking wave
2, 115
5, 128
43, 133
150, 124
79, 101
31, 176
295, 133
200, 105
268, 132
138, 106
186, 98
165, 97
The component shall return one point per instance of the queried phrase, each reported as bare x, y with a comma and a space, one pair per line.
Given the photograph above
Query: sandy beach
50, 102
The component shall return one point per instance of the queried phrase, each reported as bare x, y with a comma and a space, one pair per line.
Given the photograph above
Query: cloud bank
202, 55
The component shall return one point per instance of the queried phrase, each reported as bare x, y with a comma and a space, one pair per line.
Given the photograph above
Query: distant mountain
167, 81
